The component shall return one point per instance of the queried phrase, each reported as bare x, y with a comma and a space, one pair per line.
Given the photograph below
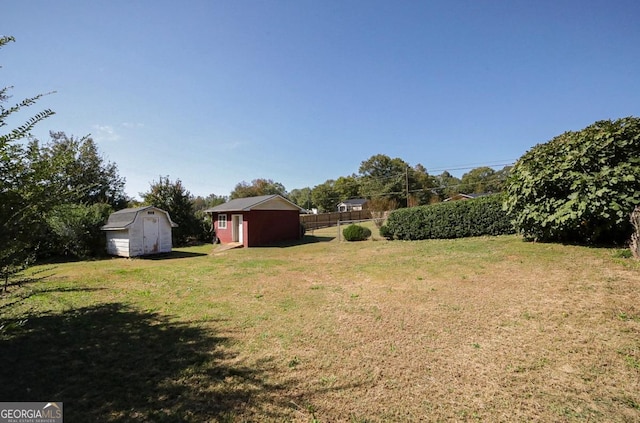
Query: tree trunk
634, 244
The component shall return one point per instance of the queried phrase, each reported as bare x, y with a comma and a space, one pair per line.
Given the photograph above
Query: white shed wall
166, 241
135, 238
118, 243
130, 242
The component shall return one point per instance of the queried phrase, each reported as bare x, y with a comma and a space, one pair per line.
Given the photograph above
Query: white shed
138, 232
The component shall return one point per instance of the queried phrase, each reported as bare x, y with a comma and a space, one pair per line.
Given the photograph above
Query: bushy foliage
455, 219
75, 165
256, 188
22, 199
580, 186
76, 228
385, 232
175, 199
356, 233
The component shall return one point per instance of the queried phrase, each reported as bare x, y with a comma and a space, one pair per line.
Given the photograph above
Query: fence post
634, 244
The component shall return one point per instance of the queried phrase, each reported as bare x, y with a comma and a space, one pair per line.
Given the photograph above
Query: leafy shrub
385, 232
580, 186
456, 219
76, 229
356, 233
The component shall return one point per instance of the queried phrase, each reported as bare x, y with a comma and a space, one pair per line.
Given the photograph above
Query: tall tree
325, 197
383, 176
211, 200
347, 187
479, 181
22, 200
204, 224
395, 180
258, 187
301, 197
174, 198
82, 169
447, 185
421, 186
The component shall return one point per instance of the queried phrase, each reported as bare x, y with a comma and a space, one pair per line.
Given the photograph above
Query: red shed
256, 221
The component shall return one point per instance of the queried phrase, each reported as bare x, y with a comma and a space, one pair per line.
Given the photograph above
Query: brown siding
269, 226
261, 227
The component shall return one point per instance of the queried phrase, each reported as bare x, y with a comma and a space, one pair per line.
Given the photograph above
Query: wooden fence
325, 220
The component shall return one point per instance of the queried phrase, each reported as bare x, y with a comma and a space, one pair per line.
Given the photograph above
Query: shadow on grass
172, 255
112, 363
20, 279
27, 293
307, 239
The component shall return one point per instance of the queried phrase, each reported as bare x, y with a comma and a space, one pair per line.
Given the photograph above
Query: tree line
56, 194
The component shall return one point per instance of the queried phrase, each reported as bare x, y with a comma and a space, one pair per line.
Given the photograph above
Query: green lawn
481, 329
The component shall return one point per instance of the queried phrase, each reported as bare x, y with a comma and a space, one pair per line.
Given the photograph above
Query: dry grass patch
489, 329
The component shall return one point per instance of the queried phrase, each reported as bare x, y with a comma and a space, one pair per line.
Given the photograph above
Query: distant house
355, 204
461, 196
139, 231
256, 221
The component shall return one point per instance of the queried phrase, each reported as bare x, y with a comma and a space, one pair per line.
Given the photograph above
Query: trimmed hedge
356, 233
456, 219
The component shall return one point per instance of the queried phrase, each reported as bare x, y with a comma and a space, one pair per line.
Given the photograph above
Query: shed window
222, 221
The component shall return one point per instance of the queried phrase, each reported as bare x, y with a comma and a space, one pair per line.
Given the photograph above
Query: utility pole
406, 178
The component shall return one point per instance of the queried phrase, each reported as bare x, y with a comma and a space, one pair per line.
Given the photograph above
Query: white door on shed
151, 235
237, 232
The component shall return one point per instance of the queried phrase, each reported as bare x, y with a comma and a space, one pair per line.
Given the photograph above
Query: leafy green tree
383, 176
325, 197
80, 169
205, 226
22, 199
347, 187
448, 185
484, 180
395, 179
580, 186
258, 187
76, 228
174, 198
421, 186
301, 197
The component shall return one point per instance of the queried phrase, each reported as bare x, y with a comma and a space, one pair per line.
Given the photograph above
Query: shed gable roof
355, 201
262, 202
125, 217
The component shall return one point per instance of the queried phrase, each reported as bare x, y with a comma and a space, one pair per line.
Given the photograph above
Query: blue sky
219, 92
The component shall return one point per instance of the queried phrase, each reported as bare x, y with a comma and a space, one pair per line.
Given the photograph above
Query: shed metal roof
125, 217
262, 202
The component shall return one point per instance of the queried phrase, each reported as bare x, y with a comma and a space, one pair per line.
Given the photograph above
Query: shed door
151, 235
236, 228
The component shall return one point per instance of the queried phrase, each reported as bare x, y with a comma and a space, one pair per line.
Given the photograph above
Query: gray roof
125, 217
248, 203
355, 201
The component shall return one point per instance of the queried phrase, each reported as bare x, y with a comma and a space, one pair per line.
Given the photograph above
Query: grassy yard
481, 329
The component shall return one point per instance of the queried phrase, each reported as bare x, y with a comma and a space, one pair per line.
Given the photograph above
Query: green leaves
580, 186
456, 219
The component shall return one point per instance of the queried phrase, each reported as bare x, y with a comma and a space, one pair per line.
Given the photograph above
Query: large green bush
580, 186
456, 219
75, 229
356, 233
